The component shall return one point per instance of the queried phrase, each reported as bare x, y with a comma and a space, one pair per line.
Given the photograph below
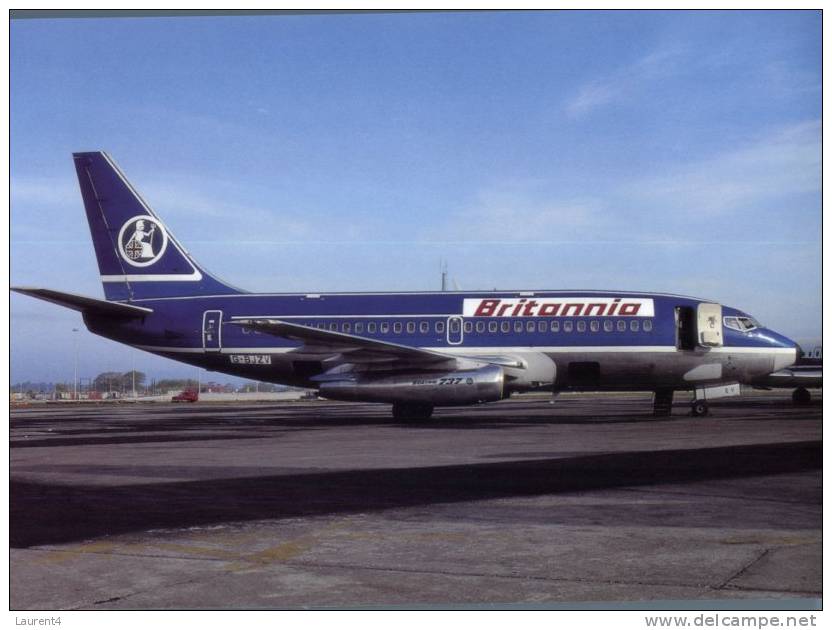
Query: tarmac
520, 503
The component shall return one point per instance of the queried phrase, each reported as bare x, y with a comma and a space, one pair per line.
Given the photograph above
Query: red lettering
613, 306
599, 309
527, 312
629, 309
503, 309
486, 308
578, 308
549, 310
517, 308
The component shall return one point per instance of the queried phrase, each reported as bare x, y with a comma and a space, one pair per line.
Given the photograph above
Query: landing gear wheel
699, 408
412, 411
801, 396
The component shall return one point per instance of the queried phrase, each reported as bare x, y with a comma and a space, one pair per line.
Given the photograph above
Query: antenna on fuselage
443, 269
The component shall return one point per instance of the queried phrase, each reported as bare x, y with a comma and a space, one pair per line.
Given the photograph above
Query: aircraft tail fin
137, 255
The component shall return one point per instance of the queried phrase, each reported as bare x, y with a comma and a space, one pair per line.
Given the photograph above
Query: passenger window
581, 326
424, 327
397, 327
440, 327
518, 326
359, 327
594, 326
634, 325
345, 327
492, 327
333, 326
411, 327
541, 327
621, 325
608, 325
647, 326
468, 327
567, 326
530, 326
480, 327
371, 327
555, 326
322, 326
385, 328
505, 326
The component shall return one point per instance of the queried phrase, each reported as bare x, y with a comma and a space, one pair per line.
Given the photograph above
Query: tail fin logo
142, 241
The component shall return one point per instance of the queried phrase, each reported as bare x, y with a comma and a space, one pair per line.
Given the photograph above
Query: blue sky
656, 151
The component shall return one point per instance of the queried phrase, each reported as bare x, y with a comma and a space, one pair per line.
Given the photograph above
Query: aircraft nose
799, 351
786, 351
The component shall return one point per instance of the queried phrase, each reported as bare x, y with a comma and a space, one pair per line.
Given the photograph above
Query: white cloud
669, 207
621, 83
221, 213
51, 191
509, 216
785, 162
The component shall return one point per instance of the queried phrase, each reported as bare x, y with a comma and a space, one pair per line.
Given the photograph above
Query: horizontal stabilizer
93, 306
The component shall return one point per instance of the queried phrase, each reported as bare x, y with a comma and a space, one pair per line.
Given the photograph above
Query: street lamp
75, 368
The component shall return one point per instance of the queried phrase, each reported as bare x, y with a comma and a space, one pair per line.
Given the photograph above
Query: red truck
188, 395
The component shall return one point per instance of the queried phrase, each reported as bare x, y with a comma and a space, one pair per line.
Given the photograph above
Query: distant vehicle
188, 395
412, 350
805, 374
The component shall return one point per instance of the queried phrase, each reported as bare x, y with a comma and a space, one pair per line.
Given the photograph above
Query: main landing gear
801, 396
412, 411
663, 404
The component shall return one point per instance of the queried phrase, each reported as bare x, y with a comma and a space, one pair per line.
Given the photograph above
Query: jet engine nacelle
461, 387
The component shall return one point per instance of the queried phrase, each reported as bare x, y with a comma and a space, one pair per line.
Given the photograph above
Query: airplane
415, 350
805, 374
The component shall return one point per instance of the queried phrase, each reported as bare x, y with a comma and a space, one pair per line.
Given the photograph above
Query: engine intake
462, 387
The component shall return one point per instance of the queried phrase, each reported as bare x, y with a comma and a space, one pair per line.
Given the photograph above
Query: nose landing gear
699, 408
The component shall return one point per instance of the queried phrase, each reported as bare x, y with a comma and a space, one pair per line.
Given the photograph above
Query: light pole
75, 367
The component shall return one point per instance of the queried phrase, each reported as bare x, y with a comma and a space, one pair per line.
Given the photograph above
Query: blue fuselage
632, 350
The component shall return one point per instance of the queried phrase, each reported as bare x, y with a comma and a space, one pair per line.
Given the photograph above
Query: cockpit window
742, 324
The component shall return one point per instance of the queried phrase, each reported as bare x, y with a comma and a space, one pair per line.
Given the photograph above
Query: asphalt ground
522, 502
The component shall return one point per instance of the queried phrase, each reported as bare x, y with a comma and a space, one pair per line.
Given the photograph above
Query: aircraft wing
93, 306
353, 348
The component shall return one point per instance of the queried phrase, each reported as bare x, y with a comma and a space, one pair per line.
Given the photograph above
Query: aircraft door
455, 332
709, 325
685, 328
211, 331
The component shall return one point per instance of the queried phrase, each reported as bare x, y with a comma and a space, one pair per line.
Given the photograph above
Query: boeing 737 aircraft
805, 374
412, 350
